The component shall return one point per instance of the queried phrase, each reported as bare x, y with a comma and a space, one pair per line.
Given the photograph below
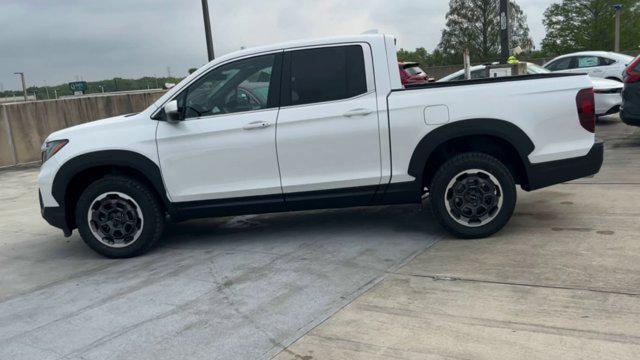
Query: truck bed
543, 106
488, 81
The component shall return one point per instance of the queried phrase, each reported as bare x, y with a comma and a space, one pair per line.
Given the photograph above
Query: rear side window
588, 61
325, 74
414, 70
606, 62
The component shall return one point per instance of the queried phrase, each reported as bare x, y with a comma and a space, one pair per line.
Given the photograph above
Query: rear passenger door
327, 135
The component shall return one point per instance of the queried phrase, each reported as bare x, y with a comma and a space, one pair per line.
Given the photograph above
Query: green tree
475, 24
419, 55
575, 25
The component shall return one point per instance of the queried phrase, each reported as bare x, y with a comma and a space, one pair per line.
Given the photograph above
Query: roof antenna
370, 32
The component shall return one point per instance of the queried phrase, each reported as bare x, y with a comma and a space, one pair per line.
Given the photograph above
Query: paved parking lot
561, 281
242, 287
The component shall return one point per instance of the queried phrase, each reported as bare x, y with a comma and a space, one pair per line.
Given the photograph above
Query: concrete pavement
562, 281
231, 288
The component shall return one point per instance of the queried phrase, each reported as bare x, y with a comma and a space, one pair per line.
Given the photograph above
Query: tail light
632, 73
585, 101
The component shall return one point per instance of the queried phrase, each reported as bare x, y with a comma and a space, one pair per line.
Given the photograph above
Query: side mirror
172, 112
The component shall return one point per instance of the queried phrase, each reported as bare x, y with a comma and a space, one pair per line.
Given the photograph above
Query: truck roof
380, 40
302, 43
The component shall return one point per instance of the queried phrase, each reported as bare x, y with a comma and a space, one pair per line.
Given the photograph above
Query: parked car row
608, 65
609, 73
607, 92
600, 64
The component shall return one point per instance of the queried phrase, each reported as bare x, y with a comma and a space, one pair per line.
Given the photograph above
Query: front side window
326, 74
243, 85
561, 64
588, 61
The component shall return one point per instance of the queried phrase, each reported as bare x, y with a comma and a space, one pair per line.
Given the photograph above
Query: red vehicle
411, 74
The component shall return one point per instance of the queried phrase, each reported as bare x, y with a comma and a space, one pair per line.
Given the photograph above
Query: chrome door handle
357, 112
257, 125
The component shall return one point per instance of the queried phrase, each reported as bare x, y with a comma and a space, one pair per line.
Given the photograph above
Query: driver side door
224, 148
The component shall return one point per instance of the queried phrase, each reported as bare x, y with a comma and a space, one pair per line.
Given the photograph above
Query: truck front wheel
119, 217
473, 195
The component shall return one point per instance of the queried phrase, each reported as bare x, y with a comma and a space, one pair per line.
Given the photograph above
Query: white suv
602, 64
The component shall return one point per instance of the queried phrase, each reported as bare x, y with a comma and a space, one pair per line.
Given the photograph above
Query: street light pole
504, 31
207, 28
618, 9
24, 87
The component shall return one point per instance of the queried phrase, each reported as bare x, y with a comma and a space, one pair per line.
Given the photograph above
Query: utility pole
24, 87
207, 28
504, 31
618, 9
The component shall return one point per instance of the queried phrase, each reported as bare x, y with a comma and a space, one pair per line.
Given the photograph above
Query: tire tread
155, 210
443, 176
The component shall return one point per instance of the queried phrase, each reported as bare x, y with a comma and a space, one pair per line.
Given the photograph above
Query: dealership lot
563, 277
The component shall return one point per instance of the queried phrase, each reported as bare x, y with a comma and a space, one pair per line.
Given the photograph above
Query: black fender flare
479, 127
117, 158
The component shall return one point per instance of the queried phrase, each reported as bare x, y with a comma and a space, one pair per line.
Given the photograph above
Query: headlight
50, 148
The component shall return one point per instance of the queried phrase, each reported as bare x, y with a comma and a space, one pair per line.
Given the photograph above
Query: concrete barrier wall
25, 125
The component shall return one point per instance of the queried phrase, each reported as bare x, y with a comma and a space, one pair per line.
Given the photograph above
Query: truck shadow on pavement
317, 225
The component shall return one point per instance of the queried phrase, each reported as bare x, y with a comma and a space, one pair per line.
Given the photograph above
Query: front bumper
555, 172
55, 216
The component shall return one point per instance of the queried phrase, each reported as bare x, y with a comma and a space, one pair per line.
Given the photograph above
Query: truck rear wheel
473, 195
119, 217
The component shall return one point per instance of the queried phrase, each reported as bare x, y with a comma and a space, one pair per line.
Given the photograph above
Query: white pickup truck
317, 124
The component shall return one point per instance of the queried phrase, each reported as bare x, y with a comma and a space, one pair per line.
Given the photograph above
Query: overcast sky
54, 42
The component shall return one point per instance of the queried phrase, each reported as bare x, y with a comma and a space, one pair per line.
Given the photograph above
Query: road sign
78, 86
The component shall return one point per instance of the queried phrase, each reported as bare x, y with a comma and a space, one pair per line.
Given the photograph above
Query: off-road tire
449, 172
149, 206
